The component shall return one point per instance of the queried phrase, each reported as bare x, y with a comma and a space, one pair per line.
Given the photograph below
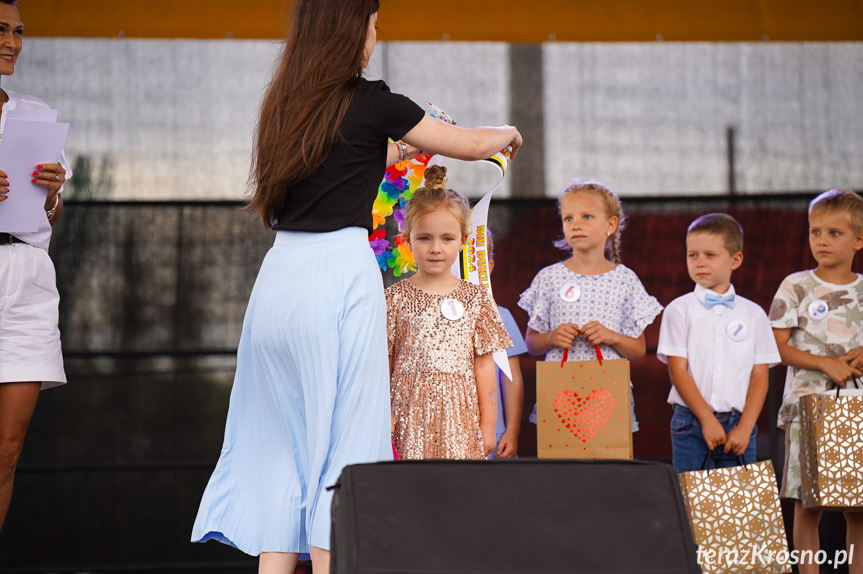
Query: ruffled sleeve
490, 334
518, 345
537, 304
641, 308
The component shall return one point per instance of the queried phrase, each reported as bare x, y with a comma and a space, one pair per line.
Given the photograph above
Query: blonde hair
840, 200
611, 204
435, 195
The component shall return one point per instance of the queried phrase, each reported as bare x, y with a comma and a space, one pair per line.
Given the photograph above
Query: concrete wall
173, 119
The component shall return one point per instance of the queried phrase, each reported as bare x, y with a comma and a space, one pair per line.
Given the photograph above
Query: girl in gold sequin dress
442, 332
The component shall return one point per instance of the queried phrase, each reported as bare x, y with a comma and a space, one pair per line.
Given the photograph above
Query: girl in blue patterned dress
591, 298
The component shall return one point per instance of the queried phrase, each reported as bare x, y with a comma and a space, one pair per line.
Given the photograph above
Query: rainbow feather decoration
398, 186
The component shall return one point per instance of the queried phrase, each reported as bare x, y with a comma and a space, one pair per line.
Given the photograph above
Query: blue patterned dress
617, 299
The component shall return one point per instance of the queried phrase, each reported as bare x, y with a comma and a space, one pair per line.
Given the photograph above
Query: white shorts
29, 312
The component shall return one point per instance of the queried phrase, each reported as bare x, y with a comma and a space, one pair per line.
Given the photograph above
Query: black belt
6, 239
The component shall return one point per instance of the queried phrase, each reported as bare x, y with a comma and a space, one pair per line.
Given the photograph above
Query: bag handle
566, 354
857, 384
705, 465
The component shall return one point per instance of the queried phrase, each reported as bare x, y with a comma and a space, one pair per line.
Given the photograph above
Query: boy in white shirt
718, 347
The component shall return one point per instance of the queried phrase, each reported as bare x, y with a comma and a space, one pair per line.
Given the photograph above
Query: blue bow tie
711, 300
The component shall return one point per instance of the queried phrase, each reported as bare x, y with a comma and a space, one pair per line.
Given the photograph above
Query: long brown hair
308, 97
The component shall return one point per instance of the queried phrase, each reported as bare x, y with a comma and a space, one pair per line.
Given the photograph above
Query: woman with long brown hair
311, 391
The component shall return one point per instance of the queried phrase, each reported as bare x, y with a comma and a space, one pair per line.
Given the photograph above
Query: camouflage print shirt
825, 319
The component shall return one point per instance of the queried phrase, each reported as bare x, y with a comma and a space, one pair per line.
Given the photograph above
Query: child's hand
854, 359
563, 336
489, 440
839, 370
737, 440
508, 446
597, 333
713, 433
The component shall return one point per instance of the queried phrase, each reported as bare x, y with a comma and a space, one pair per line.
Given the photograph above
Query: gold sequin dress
432, 384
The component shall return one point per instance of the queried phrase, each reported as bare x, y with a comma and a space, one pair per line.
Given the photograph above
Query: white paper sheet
26, 144
32, 115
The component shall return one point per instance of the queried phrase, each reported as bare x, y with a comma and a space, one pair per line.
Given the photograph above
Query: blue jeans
689, 450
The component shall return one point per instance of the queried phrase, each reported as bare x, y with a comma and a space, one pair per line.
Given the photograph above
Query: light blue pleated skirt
310, 395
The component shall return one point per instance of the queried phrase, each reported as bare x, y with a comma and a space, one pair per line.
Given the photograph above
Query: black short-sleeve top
343, 190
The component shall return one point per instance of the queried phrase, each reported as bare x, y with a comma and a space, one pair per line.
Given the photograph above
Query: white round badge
570, 292
452, 309
818, 309
737, 330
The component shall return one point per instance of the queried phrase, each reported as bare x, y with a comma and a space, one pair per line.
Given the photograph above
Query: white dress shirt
721, 346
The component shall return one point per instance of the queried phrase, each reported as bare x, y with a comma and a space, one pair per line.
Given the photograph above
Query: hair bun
435, 177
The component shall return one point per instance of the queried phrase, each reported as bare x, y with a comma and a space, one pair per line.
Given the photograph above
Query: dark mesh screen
152, 302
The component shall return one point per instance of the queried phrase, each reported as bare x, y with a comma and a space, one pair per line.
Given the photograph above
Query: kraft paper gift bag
736, 519
583, 409
831, 450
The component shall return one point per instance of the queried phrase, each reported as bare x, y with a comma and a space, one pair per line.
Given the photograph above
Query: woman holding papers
30, 356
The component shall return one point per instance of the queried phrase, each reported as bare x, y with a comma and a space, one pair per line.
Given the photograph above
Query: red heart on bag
584, 416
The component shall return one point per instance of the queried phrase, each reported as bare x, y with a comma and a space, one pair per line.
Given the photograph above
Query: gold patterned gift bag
831, 450
583, 409
736, 519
